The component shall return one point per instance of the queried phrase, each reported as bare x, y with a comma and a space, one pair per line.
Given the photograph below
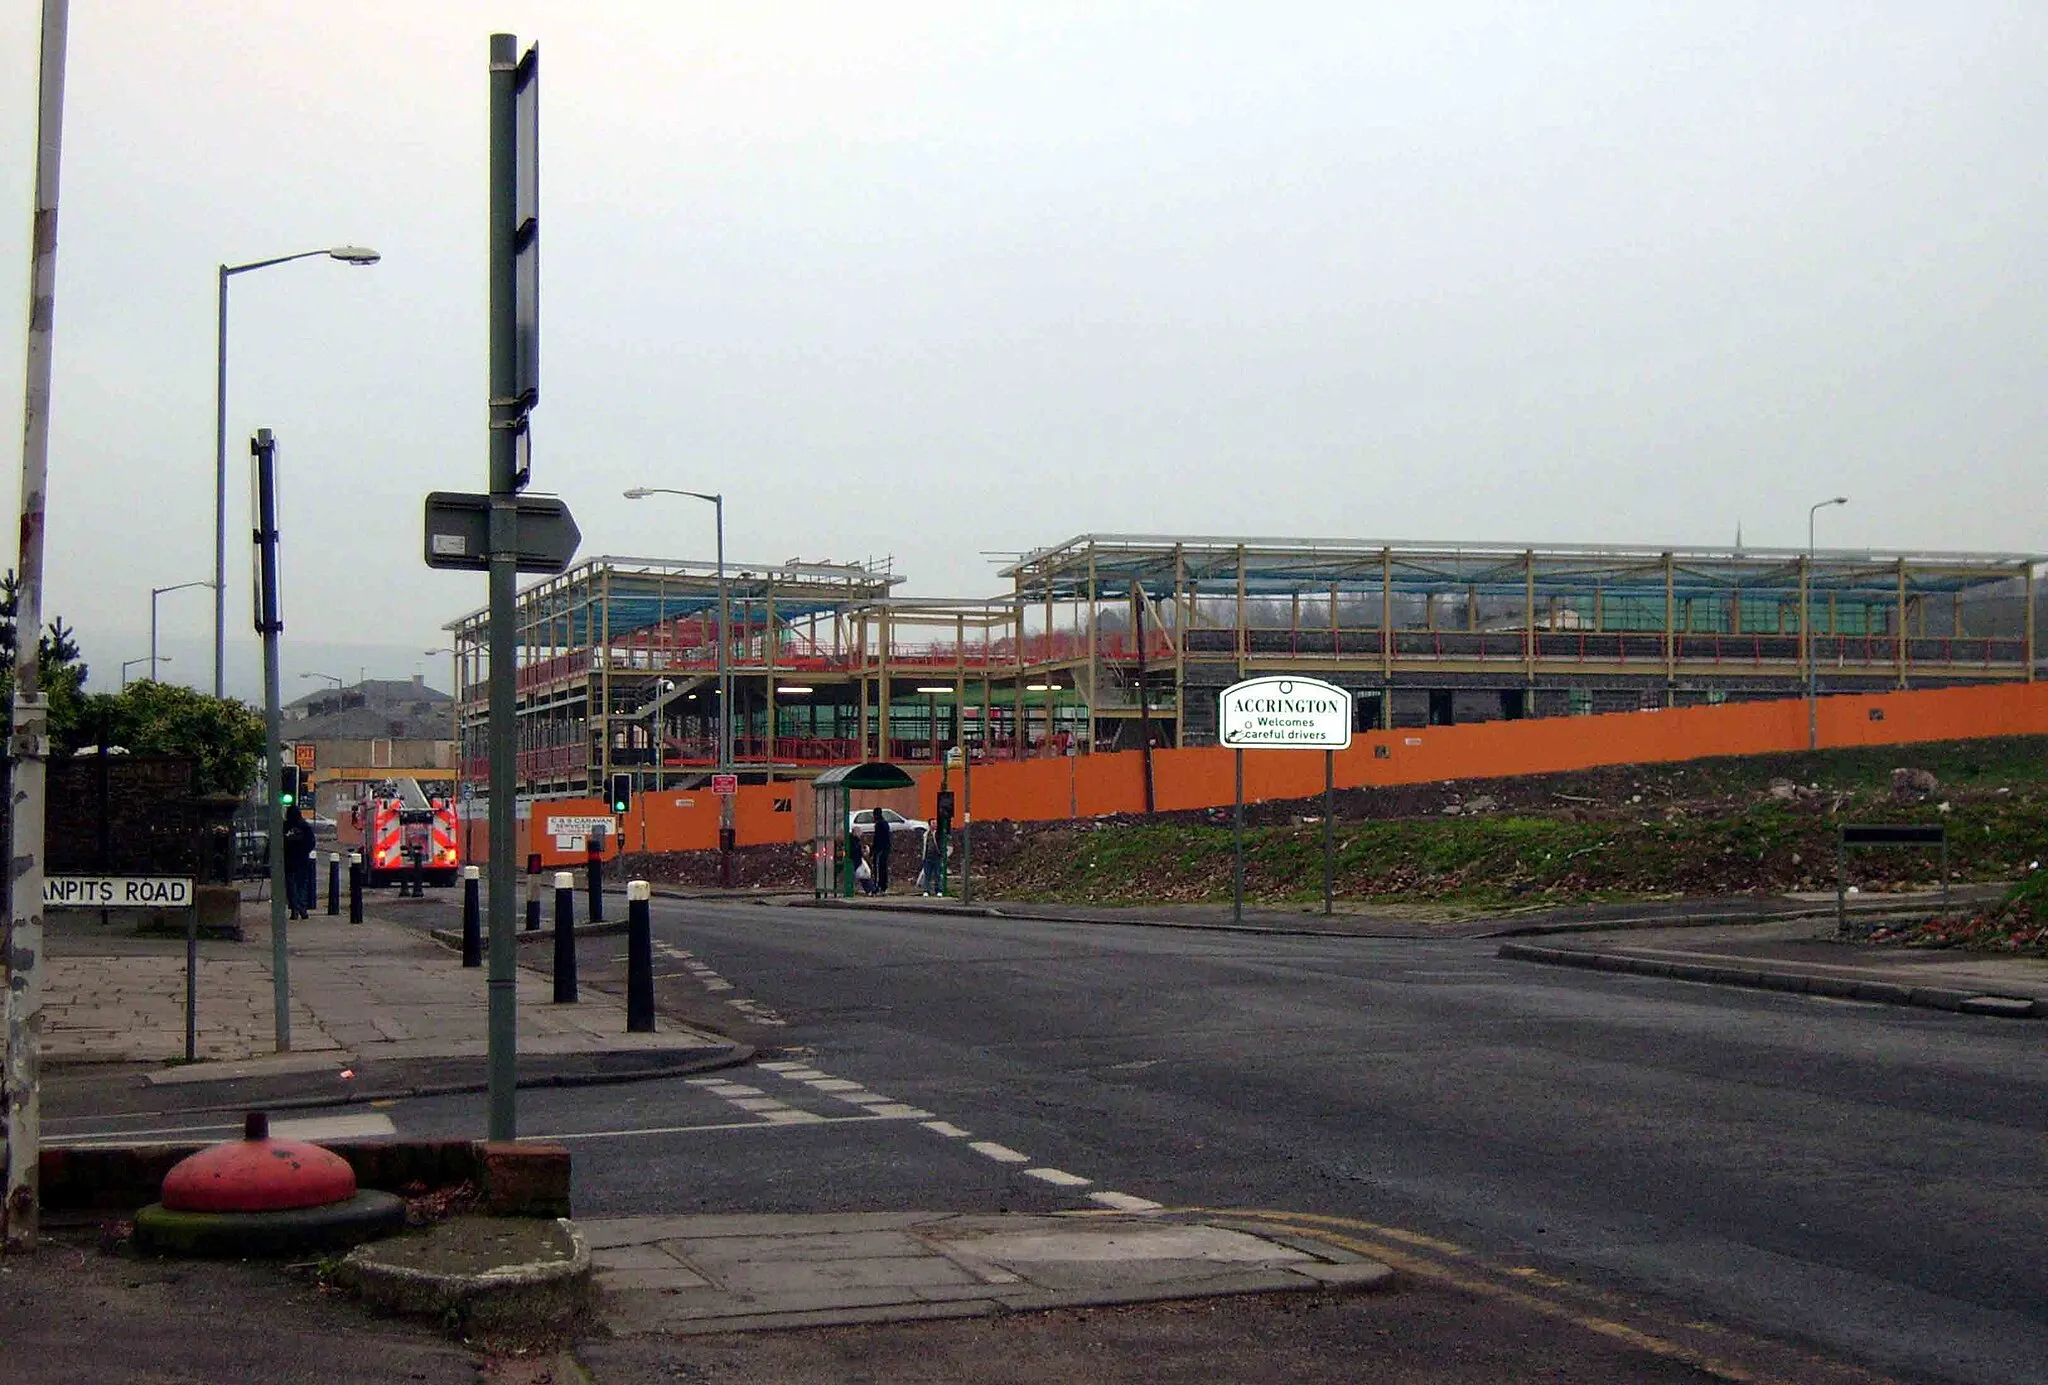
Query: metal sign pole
505, 411
1329, 832
270, 622
1237, 845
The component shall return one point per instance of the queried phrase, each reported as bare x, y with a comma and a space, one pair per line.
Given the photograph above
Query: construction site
1117, 642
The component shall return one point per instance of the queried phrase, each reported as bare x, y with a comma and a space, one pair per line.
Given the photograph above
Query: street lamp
1806, 625
347, 254
154, 593
725, 757
328, 676
149, 659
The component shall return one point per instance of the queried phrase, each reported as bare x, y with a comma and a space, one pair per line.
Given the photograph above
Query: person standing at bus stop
881, 851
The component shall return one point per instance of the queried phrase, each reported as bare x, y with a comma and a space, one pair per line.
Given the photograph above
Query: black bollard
639, 959
472, 918
565, 938
533, 893
334, 882
419, 874
596, 861
355, 888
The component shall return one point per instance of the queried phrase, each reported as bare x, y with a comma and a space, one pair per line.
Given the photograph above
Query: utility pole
270, 625
508, 405
29, 745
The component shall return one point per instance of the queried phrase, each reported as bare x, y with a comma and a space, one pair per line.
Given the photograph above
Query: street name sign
117, 892
459, 532
1274, 713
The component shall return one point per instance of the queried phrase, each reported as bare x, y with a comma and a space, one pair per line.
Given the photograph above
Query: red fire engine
399, 823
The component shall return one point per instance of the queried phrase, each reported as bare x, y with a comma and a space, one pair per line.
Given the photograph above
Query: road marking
946, 1128
732, 1089
1059, 1178
773, 1122
1000, 1153
781, 1066
369, 1126
834, 1084
758, 1103
1124, 1202
900, 1110
85, 1139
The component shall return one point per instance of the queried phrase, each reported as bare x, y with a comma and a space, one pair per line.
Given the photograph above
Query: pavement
696, 1274
1435, 921
378, 1000
1804, 956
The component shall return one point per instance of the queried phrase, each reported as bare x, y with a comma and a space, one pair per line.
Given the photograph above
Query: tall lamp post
332, 678
1806, 625
725, 756
347, 254
154, 593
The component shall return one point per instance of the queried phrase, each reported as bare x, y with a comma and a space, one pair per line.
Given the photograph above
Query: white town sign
1285, 714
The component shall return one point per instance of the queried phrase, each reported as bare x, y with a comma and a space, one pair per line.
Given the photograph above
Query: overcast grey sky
928, 280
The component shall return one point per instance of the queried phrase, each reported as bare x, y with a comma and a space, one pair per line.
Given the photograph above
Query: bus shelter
832, 829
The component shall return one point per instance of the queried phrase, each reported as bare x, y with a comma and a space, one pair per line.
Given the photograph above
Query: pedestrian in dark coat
881, 852
298, 863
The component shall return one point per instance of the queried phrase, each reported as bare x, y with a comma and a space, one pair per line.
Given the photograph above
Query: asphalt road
1861, 1179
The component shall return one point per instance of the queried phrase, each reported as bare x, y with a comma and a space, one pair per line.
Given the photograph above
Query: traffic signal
290, 791
622, 792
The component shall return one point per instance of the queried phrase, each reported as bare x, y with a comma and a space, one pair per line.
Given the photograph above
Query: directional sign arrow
459, 532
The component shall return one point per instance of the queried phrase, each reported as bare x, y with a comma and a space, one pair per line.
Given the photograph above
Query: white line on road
1059, 1178
792, 1118
367, 1126
1124, 1202
1002, 1154
946, 1128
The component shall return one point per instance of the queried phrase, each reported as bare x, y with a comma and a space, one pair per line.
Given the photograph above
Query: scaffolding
1434, 633
1121, 641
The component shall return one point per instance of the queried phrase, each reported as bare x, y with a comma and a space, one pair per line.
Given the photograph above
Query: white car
864, 822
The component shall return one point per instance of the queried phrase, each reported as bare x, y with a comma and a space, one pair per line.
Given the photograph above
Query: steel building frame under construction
1119, 641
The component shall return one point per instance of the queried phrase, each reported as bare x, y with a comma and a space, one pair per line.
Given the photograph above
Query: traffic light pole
505, 410
263, 448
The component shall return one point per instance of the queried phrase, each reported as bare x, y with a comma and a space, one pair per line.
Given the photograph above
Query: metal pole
220, 486
1806, 638
504, 417
725, 755
263, 447
1329, 832
29, 749
967, 814
152, 633
1237, 844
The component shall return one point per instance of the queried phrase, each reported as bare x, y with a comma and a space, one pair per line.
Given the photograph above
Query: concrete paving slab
733, 1273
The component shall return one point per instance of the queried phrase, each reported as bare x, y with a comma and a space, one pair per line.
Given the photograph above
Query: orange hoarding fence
1060, 787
